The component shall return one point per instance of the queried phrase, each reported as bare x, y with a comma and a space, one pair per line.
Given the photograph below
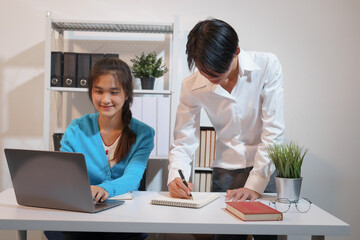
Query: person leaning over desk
242, 94
116, 146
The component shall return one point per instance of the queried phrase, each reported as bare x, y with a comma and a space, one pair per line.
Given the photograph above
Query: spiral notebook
200, 199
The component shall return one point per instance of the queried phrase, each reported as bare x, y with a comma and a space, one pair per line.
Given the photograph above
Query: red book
253, 211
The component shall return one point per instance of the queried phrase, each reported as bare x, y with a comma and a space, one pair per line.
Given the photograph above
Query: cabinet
62, 104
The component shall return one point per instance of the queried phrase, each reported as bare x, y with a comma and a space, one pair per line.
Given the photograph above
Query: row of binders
205, 154
69, 69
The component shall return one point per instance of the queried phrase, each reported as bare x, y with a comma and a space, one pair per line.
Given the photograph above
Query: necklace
110, 149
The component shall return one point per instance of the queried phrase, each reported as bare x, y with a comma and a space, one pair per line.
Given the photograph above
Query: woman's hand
99, 194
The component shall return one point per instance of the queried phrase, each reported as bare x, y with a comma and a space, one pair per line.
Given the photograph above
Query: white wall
317, 42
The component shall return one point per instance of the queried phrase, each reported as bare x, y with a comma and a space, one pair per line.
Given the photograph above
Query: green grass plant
287, 158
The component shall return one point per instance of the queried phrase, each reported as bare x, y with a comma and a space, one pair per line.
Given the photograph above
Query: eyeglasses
283, 204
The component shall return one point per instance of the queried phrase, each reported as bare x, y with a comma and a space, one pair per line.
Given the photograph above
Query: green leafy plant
287, 158
148, 66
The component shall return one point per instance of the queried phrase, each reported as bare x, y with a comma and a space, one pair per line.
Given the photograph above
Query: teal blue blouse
83, 136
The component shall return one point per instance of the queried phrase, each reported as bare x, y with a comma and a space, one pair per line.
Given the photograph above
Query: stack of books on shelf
202, 181
204, 158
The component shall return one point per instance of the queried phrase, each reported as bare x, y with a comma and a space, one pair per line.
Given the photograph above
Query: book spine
202, 148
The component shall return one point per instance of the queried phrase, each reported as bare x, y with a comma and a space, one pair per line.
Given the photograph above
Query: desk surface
139, 215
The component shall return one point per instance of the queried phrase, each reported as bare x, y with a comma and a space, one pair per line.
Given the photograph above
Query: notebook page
200, 199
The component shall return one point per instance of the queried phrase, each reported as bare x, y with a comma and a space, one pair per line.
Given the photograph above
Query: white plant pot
288, 188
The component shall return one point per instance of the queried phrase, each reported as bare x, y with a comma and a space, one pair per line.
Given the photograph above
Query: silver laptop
56, 180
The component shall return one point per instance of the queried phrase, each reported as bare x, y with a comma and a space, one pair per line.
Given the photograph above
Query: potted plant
147, 68
288, 159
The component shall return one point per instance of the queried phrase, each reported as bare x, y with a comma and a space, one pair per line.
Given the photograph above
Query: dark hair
211, 46
121, 72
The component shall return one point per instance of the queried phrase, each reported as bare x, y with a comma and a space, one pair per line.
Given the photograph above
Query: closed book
253, 211
83, 71
56, 69
208, 148
202, 148
70, 69
197, 182
208, 182
202, 181
212, 147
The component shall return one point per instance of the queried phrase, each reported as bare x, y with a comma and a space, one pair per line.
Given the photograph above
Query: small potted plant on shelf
288, 159
147, 68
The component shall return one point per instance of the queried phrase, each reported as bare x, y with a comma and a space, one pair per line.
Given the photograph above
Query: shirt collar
246, 63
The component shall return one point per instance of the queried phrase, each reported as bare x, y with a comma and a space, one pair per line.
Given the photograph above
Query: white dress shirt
245, 121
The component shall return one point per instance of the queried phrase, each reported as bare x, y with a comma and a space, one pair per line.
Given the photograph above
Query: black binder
56, 69
70, 69
83, 64
95, 57
114, 55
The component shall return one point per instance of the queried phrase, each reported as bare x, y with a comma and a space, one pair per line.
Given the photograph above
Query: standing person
242, 94
116, 146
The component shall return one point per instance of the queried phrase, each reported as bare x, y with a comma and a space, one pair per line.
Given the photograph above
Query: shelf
136, 91
112, 27
159, 157
61, 33
203, 169
157, 92
68, 89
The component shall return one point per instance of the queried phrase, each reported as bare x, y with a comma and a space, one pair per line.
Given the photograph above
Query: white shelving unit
55, 30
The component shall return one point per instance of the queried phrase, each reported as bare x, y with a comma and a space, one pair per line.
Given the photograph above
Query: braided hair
121, 72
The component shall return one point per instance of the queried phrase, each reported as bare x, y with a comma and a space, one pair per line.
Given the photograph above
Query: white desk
139, 215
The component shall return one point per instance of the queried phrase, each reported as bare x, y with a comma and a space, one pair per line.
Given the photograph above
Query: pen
184, 181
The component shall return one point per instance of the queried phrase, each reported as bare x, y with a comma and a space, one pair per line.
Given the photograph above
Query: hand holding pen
179, 188
184, 181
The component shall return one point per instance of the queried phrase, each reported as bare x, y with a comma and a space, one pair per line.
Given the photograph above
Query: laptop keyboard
103, 205
107, 204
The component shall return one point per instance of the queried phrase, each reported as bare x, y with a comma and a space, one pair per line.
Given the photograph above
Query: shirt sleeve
134, 170
272, 97
186, 135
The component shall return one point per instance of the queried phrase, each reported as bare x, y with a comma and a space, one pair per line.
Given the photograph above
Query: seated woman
115, 145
